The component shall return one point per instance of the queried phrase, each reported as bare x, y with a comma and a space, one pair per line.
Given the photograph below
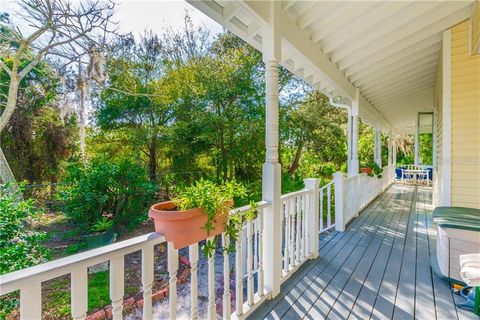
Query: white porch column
417, 143
313, 218
390, 147
394, 152
378, 147
271, 171
354, 165
349, 140
339, 183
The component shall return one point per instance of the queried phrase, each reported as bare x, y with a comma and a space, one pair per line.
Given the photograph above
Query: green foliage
102, 225
215, 200
376, 170
20, 246
75, 248
292, 183
38, 138
315, 136
99, 188
365, 145
426, 148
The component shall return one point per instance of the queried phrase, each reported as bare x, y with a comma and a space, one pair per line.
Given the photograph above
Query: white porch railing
327, 198
295, 209
304, 214
301, 221
355, 192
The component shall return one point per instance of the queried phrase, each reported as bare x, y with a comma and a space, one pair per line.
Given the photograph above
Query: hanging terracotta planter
366, 170
184, 227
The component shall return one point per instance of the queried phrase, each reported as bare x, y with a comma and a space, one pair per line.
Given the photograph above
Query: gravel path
160, 308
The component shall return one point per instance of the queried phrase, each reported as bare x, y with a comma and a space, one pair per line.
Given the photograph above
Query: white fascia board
213, 10
297, 40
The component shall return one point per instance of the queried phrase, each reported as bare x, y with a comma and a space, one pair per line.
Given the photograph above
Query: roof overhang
389, 50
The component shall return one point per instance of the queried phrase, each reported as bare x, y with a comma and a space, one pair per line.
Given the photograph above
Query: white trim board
446, 195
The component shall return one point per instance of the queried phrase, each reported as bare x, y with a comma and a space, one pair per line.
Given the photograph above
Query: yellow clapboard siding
459, 87
476, 28
470, 202
468, 190
465, 108
465, 184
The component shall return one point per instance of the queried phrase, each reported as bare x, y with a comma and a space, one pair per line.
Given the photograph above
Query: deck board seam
370, 231
402, 218
359, 223
409, 228
393, 220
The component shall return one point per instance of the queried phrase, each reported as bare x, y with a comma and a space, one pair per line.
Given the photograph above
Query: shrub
101, 188
20, 246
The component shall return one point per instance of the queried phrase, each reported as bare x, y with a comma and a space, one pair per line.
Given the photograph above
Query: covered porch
381, 62
379, 268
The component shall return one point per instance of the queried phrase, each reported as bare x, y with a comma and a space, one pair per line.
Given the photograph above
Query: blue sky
138, 15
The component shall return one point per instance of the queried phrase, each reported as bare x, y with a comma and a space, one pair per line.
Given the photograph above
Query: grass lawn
56, 295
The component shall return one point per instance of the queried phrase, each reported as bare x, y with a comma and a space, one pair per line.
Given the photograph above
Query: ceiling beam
408, 18
372, 64
317, 12
353, 14
399, 41
395, 78
354, 29
392, 96
403, 99
334, 17
400, 61
402, 69
381, 92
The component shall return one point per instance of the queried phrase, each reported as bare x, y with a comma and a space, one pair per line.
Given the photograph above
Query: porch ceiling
388, 49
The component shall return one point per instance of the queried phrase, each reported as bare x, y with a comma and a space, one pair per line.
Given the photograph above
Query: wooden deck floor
377, 269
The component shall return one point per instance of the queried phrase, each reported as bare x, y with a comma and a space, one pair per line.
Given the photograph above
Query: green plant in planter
215, 200
102, 225
376, 170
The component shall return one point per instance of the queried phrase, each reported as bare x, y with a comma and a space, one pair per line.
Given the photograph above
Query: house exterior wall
465, 120
475, 28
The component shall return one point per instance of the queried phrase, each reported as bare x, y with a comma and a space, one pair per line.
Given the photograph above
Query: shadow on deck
377, 269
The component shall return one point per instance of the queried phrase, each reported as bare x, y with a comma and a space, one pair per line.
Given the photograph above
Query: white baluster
147, 281
116, 286
329, 207
193, 254
250, 263
239, 275
298, 235
303, 240
321, 209
79, 288
172, 282
292, 233
226, 278
260, 254
255, 244
287, 236
211, 310
31, 301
